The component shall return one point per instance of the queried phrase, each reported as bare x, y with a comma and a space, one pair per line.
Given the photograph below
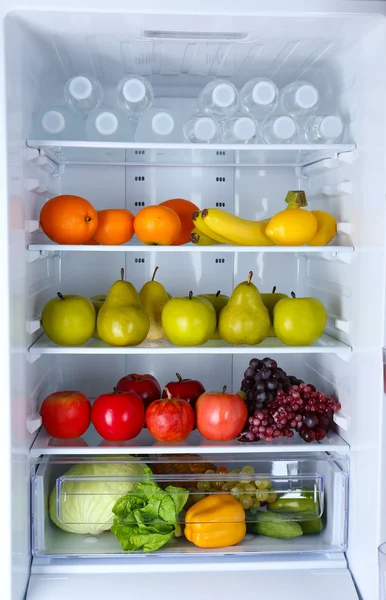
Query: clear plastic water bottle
300, 99
158, 125
83, 94
279, 130
240, 130
219, 99
109, 125
259, 97
202, 130
134, 95
57, 123
323, 129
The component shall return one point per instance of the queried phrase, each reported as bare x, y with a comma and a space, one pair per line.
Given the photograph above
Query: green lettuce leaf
147, 517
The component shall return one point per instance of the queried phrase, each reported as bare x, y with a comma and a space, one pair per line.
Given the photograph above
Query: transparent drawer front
84, 507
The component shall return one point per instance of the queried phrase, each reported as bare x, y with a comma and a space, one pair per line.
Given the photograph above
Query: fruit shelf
144, 443
240, 155
219, 249
325, 345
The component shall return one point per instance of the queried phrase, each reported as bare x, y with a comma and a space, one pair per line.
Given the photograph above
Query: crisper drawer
115, 506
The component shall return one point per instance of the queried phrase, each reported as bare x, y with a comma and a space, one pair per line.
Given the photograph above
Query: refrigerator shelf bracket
33, 422
33, 325
32, 255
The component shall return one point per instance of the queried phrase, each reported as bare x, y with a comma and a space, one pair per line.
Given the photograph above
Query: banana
200, 239
238, 231
201, 226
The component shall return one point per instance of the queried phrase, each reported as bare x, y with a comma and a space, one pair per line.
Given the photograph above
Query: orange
184, 209
69, 219
157, 225
115, 226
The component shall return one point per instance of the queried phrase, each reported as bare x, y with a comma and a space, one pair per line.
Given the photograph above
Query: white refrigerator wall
343, 49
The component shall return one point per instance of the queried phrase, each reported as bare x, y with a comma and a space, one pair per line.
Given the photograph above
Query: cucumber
313, 526
274, 525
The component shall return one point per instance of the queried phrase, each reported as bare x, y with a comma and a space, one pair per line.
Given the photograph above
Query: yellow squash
215, 522
326, 228
237, 230
293, 226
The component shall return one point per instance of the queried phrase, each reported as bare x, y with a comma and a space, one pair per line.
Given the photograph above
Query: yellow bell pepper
215, 521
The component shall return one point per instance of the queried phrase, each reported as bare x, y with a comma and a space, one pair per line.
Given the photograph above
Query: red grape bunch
294, 407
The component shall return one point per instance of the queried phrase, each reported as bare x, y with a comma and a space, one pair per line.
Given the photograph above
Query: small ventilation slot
194, 35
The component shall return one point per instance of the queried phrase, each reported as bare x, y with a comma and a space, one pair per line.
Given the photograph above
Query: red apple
188, 389
170, 419
66, 414
118, 416
220, 416
146, 386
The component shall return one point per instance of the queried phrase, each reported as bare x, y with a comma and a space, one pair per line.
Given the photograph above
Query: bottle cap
244, 128
80, 87
204, 129
306, 96
106, 123
162, 123
134, 90
284, 128
331, 127
264, 92
53, 122
223, 95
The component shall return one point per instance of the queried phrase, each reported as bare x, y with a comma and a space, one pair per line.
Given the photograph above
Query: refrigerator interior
179, 56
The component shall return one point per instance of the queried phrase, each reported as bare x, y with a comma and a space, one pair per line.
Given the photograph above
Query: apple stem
168, 393
250, 275
155, 271
218, 293
293, 295
224, 389
122, 273
60, 296
115, 390
190, 295
274, 289
178, 377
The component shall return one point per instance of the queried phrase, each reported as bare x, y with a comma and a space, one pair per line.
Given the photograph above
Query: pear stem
218, 293
250, 275
155, 271
274, 289
224, 389
190, 295
178, 377
293, 295
168, 393
60, 296
122, 273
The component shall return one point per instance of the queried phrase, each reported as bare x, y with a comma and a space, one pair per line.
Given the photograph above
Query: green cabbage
86, 506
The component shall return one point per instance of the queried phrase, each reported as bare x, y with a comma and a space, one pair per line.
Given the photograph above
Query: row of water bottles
256, 114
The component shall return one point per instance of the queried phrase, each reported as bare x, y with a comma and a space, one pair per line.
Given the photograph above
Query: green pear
97, 302
218, 301
299, 321
270, 301
122, 320
154, 297
245, 319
